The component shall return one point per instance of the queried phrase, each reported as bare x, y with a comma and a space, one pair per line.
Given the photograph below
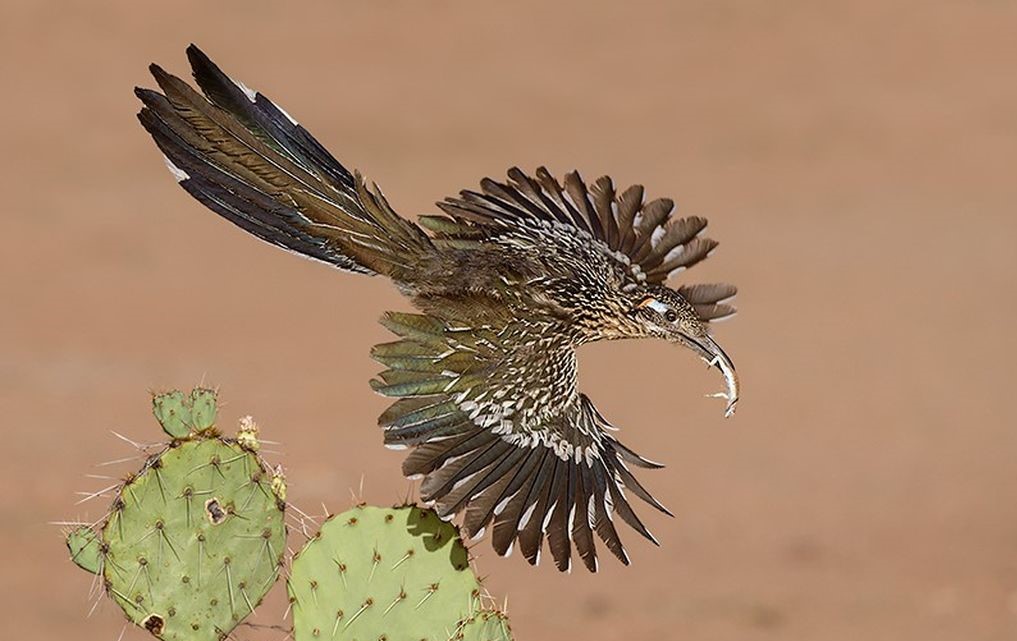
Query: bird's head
660, 312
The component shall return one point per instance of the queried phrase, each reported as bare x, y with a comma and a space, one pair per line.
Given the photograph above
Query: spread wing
640, 234
502, 435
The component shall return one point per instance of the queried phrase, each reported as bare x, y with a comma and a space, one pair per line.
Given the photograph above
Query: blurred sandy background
856, 161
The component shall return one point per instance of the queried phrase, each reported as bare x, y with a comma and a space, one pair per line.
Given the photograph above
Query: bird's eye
671, 316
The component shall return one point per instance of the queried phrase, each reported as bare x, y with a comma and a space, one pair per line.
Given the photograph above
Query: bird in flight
509, 280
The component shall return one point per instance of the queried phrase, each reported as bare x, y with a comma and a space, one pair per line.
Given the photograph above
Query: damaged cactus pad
193, 541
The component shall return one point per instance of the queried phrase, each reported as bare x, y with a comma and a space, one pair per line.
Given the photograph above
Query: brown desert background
856, 161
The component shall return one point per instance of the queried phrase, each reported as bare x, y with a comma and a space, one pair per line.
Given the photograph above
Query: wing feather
643, 232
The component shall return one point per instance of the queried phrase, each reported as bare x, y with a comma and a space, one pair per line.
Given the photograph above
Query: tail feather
237, 201
246, 159
265, 120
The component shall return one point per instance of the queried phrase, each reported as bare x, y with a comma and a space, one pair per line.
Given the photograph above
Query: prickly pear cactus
484, 625
399, 574
194, 540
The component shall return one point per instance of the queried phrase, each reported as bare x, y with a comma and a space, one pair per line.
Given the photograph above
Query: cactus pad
399, 574
173, 413
485, 625
203, 409
195, 540
84, 546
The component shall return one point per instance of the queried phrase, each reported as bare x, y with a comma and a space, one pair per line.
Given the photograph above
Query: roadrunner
509, 282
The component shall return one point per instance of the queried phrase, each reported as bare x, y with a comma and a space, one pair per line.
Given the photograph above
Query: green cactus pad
399, 574
203, 409
83, 544
194, 541
173, 412
485, 625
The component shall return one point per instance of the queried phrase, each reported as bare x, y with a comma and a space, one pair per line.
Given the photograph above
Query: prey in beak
715, 356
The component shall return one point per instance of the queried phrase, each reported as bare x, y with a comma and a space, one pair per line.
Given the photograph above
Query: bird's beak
711, 352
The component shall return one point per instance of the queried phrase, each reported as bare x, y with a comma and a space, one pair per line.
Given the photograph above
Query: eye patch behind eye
653, 304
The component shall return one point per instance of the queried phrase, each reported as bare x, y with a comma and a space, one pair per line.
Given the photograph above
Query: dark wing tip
198, 59
202, 66
157, 71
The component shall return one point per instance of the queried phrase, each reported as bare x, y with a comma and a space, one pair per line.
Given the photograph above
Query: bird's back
561, 281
